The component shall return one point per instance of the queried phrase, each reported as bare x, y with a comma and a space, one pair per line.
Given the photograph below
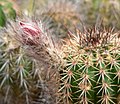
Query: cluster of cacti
92, 68
86, 69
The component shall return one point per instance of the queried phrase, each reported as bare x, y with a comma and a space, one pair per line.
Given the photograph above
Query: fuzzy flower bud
29, 29
30, 32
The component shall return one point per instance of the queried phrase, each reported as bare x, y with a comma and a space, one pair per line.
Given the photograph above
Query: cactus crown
94, 37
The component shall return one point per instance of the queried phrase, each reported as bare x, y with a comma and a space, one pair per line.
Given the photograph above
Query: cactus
91, 74
41, 73
20, 78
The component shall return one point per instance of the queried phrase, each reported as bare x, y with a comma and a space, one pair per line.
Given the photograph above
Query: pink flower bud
30, 33
29, 29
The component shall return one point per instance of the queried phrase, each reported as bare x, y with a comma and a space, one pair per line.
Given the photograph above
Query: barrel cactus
91, 73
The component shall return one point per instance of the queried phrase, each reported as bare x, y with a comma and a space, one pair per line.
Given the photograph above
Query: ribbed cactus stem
92, 56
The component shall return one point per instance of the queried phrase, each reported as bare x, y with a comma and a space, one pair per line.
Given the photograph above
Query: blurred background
59, 15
